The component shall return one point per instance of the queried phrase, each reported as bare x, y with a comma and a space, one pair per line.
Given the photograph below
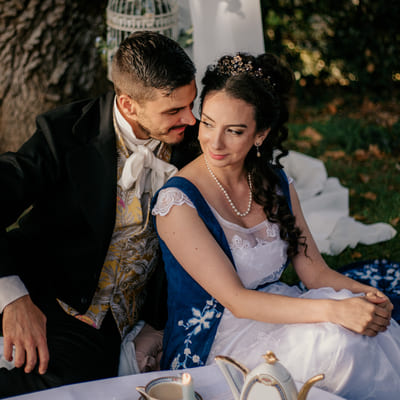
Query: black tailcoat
67, 173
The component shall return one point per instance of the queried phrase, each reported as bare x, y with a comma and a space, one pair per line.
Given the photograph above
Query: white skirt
355, 366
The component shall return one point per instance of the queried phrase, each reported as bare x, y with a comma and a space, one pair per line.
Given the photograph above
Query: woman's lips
217, 156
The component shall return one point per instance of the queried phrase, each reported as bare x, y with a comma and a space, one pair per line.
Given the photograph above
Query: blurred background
55, 51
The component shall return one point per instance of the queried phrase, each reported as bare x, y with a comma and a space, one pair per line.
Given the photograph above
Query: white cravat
142, 166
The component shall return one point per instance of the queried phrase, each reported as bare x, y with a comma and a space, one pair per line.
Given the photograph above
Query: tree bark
48, 57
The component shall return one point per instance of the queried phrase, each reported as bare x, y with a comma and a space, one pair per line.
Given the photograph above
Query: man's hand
24, 326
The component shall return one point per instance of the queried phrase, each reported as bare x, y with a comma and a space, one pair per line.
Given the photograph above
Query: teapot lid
272, 367
270, 357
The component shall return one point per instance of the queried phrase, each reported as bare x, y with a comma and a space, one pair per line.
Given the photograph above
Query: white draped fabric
325, 203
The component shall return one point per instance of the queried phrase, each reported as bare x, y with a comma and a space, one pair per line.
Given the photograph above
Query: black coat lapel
93, 166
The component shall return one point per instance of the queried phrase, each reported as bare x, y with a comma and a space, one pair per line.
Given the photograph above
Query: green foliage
353, 43
367, 38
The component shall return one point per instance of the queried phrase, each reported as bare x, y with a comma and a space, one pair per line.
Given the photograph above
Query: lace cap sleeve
168, 198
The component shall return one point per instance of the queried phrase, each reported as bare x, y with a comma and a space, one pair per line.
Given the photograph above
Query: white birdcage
127, 16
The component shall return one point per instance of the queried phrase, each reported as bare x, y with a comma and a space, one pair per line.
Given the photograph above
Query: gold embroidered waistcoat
132, 256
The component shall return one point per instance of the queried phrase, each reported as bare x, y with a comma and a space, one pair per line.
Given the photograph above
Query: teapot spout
307, 386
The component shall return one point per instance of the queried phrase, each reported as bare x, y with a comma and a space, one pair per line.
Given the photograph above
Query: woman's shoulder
169, 197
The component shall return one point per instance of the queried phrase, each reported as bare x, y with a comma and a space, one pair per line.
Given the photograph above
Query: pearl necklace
237, 212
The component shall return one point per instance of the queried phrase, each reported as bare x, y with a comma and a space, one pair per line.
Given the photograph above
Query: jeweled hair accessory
231, 66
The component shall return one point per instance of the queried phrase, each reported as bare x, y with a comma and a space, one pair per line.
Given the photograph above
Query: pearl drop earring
258, 150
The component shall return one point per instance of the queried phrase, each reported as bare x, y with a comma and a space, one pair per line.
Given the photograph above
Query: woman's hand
367, 315
377, 297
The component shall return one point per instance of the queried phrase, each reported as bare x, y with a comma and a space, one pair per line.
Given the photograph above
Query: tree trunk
48, 57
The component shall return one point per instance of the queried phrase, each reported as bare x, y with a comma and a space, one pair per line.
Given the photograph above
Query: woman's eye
206, 124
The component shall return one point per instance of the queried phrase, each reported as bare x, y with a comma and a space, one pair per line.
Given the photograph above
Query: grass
364, 154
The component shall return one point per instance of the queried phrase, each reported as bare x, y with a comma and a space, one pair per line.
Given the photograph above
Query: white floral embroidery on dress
200, 321
169, 197
239, 243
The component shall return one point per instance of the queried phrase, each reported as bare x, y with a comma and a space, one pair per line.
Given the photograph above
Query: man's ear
260, 137
127, 105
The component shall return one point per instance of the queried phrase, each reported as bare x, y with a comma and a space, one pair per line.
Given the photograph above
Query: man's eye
173, 112
235, 132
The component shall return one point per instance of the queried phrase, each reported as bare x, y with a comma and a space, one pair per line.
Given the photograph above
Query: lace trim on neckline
239, 243
169, 197
272, 229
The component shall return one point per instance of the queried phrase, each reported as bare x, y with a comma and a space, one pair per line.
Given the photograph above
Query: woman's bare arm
200, 255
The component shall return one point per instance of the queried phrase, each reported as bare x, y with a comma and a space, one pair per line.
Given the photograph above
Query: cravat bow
139, 165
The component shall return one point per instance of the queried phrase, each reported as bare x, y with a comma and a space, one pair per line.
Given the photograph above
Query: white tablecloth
208, 382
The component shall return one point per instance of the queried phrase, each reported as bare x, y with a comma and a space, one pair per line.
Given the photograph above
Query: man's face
165, 117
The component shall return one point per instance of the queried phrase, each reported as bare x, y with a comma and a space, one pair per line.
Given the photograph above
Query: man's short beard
148, 133
143, 130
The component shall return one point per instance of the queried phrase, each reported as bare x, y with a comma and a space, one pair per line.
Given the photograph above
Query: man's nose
188, 118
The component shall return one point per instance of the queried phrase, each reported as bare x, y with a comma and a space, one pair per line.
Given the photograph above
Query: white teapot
270, 380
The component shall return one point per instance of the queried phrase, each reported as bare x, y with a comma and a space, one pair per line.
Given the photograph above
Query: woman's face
227, 129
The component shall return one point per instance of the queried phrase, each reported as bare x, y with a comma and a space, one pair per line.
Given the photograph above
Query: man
73, 275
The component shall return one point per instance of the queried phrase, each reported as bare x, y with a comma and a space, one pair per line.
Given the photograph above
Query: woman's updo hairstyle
265, 83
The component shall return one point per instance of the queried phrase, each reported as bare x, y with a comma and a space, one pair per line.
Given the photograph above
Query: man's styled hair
148, 60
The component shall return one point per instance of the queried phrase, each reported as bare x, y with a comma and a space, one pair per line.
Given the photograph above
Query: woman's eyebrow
240, 125
205, 115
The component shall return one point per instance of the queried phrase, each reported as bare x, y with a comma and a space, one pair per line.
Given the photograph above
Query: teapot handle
307, 386
142, 391
234, 372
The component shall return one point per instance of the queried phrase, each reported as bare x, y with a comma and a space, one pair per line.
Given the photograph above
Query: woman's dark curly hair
265, 83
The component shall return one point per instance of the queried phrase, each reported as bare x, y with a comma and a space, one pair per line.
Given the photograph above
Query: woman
228, 224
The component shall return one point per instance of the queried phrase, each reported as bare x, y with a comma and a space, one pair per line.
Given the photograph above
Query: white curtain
224, 27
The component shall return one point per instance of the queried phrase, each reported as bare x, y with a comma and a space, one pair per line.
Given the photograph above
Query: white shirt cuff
11, 289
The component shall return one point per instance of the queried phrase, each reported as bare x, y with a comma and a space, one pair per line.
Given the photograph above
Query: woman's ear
260, 137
